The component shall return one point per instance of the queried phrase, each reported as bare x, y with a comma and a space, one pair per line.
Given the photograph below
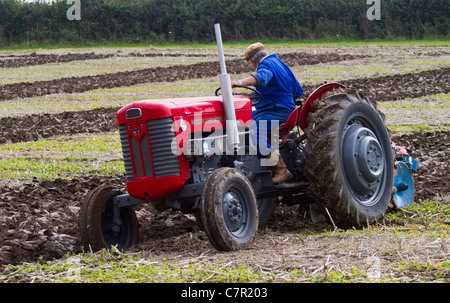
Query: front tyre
229, 210
96, 225
349, 160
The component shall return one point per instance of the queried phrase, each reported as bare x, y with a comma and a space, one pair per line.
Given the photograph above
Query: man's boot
281, 173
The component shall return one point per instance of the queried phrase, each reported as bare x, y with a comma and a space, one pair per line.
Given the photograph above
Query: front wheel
96, 223
349, 160
228, 210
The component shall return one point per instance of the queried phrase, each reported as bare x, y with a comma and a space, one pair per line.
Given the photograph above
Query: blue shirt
277, 85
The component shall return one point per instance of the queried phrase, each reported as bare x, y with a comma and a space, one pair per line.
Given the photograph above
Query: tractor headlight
219, 144
183, 125
206, 146
213, 146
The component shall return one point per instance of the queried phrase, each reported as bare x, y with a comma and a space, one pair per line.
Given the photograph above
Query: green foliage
417, 128
61, 157
428, 214
160, 21
117, 267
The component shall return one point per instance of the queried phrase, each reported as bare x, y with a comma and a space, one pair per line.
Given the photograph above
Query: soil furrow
38, 218
401, 86
149, 75
38, 126
39, 59
15, 61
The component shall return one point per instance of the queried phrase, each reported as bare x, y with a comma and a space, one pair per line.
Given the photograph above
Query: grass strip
62, 157
398, 129
330, 42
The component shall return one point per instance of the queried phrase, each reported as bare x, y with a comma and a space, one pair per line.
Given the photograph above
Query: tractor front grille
126, 152
161, 136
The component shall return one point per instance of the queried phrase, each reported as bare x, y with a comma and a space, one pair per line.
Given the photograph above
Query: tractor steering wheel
258, 96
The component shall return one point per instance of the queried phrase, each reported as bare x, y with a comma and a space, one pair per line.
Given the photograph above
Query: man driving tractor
279, 89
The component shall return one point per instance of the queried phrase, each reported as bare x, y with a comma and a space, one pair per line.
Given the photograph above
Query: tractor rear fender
316, 95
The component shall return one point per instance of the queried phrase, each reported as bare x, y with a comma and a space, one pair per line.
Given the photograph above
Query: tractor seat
290, 123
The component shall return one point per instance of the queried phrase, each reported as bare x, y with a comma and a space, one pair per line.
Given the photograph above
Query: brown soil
38, 59
157, 74
38, 219
432, 150
397, 87
15, 61
38, 126
386, 88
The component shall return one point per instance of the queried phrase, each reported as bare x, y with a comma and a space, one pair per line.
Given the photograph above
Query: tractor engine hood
207, 107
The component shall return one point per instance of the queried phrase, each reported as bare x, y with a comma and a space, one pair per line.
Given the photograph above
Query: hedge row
192, 20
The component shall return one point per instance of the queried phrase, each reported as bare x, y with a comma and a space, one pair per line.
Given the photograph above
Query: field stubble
39, 217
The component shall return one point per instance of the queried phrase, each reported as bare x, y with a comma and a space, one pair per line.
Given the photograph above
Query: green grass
52, 104
398, 129
53, 168
348, 42
69, 157
62, 157
421, 220
271, 42
442, 97
415, 106
433, 270
80, 68
428, 214
316, 74
423, 114
116, 267
80, 143
110, 97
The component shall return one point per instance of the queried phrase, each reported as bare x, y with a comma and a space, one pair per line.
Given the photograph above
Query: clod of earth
38, 219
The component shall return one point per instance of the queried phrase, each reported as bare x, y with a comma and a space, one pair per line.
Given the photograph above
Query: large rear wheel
349, 160
228, 210
265, 211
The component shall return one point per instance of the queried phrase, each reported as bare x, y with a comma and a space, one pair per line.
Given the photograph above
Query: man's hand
234, 83
249, 81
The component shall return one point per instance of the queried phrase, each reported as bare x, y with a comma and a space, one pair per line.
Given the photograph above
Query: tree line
159, 21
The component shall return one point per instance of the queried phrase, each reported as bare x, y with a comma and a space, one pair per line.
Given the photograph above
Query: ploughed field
55, 103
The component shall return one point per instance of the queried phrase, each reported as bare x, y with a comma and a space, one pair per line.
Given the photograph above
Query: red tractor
193, 155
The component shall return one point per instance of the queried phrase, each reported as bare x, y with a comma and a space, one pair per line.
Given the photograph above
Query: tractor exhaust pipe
227, 96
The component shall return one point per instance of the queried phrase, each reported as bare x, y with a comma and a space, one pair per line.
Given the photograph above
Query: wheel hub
233, 211
369, 156
363, 160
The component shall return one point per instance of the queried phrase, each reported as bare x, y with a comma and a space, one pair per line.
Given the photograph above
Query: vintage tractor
194, 155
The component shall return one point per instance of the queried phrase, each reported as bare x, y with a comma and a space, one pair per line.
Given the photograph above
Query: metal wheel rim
111, 237
365, 180
235, 211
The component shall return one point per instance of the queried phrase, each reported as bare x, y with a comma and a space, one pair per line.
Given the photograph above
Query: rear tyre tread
327, 185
